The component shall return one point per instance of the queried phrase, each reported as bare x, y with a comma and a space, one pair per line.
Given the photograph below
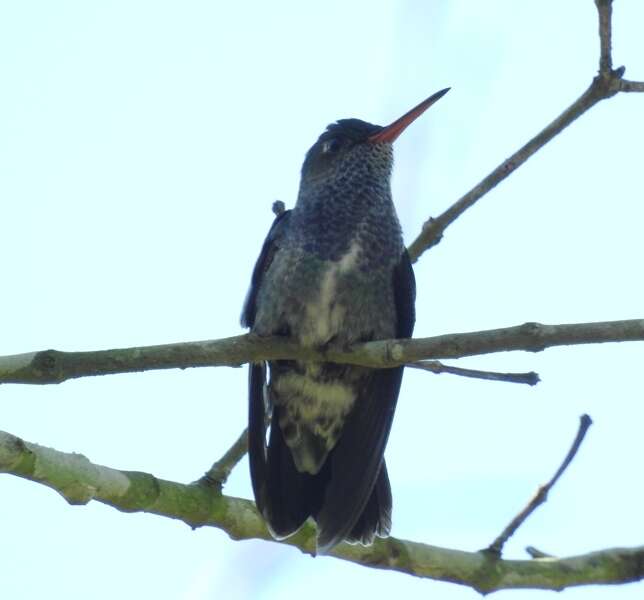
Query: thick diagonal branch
79, 481
53, 366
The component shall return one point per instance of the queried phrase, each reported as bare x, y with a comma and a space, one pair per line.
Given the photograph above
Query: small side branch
626, 85
496, 548
219, 472
435, 366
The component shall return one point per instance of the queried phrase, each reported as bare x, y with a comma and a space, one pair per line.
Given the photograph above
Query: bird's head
352, 144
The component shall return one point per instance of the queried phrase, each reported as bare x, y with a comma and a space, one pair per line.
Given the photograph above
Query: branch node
537, 554
533, 331
218, 474
47, 365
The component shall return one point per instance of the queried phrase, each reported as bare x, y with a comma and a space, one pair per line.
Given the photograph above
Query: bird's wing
357, 459
271, 243
405, 296
257, 417
257, 432
282, 494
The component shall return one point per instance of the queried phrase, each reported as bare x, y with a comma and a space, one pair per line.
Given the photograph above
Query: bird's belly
315, 400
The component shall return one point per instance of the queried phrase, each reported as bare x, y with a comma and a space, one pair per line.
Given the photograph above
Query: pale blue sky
141, 146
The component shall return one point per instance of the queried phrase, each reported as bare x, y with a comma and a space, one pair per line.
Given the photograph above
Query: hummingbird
333, 271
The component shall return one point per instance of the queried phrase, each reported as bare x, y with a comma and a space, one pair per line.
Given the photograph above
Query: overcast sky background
141, 147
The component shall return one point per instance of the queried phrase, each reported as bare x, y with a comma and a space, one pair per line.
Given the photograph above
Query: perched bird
332, 271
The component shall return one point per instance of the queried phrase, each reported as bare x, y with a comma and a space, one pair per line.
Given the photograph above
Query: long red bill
391, 132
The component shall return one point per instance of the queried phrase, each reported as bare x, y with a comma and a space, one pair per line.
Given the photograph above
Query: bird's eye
329, 146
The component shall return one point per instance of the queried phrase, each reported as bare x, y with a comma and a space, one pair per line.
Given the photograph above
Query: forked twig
608, 82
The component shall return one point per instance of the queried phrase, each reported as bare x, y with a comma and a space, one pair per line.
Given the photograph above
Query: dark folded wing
375, 519
405, 296
257, 432
357, 460
291, 496
270, 246
257, 409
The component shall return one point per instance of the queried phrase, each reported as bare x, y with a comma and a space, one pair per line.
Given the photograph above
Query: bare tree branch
54, 366
605, 14
626, 85
605, 85
541, 496
433, 229
219, 472
435, 366
79, 481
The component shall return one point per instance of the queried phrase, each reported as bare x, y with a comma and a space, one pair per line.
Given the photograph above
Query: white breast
324, 314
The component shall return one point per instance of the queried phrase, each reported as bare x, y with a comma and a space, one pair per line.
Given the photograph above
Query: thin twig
542, 493
605, 14
435, 366
625, 85
433, 229
220, 471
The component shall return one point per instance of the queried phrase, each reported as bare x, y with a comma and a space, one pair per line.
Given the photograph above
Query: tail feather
291, 496
350, 497
357, 459
375, 519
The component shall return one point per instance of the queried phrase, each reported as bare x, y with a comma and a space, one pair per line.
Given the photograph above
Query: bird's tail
287, 498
